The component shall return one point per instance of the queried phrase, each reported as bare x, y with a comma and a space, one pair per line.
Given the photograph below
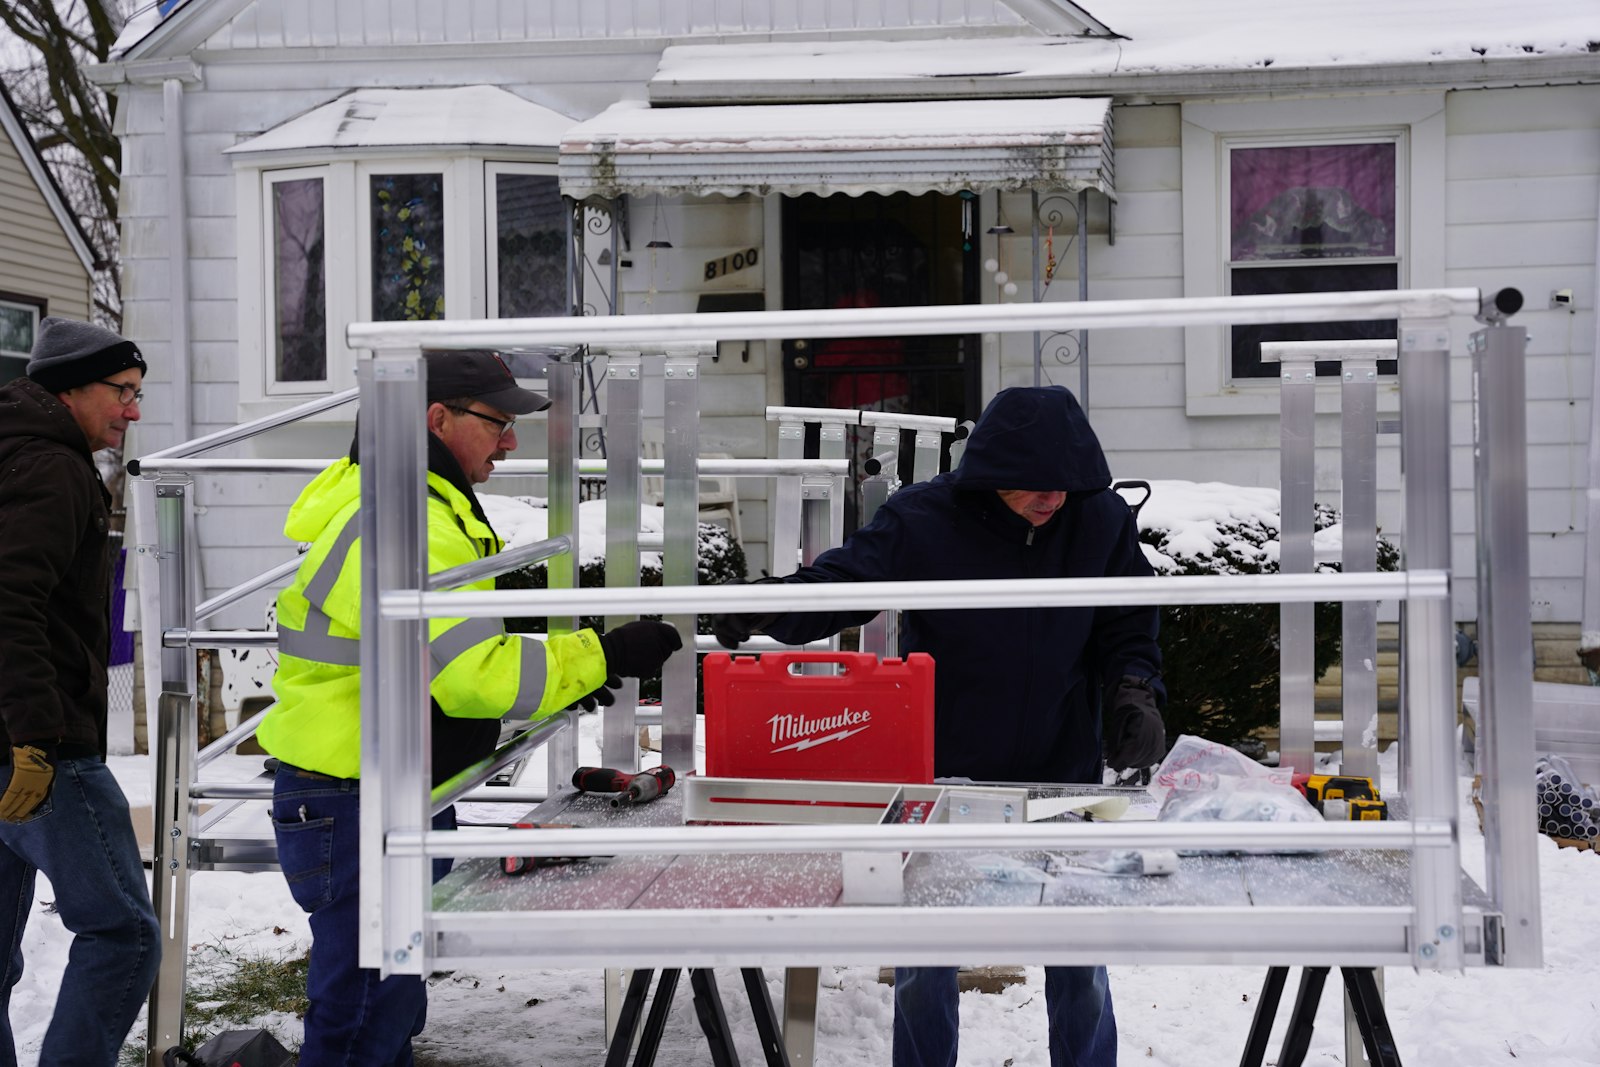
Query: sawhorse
707, 1006
1365, 1004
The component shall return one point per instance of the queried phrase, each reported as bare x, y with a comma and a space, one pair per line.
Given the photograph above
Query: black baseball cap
482, 375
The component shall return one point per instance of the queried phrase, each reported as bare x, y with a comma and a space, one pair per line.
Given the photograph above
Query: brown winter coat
55, 578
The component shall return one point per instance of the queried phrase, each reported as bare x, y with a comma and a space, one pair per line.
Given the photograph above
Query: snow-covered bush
1221, 660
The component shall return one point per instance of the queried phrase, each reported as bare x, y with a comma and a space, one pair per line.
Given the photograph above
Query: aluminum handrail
942, 837
242, 432
222, 600
451, 789
875, 596
225, 743
178, 637
589, 468
921, 321
499, 563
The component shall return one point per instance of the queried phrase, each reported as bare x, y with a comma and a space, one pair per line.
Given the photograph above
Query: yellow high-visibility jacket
479, 670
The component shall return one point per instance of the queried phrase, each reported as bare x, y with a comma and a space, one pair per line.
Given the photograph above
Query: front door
882, 251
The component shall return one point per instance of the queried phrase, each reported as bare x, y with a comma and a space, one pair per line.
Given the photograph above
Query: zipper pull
1029, 541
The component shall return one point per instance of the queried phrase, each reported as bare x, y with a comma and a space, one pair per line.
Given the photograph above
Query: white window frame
32, 310
1415, 122
491, 225
468, 229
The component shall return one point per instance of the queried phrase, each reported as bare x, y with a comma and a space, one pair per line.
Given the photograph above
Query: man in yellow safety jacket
480, 674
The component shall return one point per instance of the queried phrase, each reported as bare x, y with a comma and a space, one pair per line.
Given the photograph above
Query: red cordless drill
638, 788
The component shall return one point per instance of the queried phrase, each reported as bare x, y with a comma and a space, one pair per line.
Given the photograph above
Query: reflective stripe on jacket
479, 671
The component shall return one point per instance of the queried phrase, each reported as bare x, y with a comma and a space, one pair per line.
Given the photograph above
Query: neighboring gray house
1249, 146
46, 265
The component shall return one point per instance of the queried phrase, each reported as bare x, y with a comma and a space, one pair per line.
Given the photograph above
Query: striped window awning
917, 146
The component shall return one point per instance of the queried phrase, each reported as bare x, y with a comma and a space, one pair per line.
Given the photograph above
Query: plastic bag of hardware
1239, 800
1001, 868
1195, 763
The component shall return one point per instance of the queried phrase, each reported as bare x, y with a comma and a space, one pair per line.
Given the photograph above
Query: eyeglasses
502, 426
127, 393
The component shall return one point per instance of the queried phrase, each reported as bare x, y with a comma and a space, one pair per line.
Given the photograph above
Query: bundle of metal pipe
1567, 807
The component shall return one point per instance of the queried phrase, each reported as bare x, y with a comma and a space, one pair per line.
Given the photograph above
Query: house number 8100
716, 268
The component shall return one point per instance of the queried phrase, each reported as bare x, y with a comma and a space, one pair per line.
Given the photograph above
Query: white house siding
1524, 181
36, 259
379, 23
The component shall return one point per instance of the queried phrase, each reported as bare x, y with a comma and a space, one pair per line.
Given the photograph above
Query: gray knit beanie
68, 353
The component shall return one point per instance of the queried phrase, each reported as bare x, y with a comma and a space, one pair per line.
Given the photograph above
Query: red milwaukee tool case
871, 723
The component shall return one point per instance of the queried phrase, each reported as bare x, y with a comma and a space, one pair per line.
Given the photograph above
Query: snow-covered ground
1168, 1016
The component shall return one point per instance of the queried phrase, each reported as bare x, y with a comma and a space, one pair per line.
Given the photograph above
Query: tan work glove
31, 774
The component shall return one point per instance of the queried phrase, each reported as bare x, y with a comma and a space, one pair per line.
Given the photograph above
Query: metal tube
395, 670
1505, 636
592, 466
500, 563
245, 588
1296, 513
1038, 291
619, 739
1428, 586
452, 789
919, 321
786, 499
1430, 711
181, 638
242, 432
1083, 297
1428, 836
173, 743
562, 445
680, 556
225, 743
903, 421
1358, 500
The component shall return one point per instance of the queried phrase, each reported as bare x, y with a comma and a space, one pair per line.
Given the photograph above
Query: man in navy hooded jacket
1017, 692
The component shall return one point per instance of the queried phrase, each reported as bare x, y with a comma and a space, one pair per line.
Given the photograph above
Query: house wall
36, 259
1520, 204
1521, 188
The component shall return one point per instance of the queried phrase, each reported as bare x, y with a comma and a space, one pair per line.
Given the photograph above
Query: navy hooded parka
1017, 691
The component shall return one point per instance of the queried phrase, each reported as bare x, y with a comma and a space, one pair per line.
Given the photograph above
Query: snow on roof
375, 118
1172, 36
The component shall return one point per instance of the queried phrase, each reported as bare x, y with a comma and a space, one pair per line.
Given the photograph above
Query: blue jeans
85, 846
1083, 1031
354, 1018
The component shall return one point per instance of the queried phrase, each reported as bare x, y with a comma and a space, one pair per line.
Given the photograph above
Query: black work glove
733, 630
638, 649
601, 696
1136, 738
33, 768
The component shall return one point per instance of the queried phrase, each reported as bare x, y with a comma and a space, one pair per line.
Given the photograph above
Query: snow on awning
405, 118
915, 146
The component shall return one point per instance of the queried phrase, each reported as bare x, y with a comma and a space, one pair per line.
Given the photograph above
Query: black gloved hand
33, 768
600, 697
638, 649
734, 629
1136, 737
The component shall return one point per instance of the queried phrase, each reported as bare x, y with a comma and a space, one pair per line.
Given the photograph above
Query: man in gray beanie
61, 811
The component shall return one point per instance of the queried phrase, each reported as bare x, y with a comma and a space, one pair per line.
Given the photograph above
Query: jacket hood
1033, 438
27, 409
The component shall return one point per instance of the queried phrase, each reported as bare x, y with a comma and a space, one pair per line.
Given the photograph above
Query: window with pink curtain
1307, 219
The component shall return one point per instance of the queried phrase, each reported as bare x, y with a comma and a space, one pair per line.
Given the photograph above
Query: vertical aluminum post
1296, 519
1505, 636
395, 672
832, 444
786, 500
173, 743
926, 455
619, 736
1083, 295
680, 489
1429, 645
1358, 475
879, 635
561, 430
